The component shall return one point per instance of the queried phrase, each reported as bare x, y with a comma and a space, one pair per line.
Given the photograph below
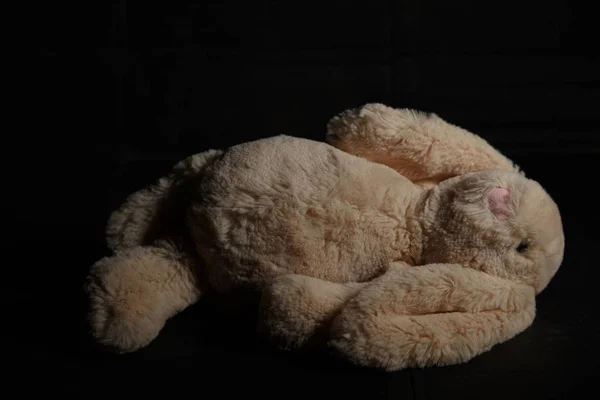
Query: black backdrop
120, 91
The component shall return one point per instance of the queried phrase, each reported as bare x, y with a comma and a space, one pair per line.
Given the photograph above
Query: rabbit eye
522, 247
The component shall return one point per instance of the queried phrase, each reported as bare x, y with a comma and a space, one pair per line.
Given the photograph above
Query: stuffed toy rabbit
404, 241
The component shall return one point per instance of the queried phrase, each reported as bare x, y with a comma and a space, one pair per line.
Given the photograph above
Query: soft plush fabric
404, 241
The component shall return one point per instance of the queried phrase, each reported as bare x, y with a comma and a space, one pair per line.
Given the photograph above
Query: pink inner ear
498, 199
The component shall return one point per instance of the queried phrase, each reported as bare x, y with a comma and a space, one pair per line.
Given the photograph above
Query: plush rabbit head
483, 213
495, 221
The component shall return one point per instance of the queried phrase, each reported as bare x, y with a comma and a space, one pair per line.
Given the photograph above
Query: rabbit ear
422, 147
497, 201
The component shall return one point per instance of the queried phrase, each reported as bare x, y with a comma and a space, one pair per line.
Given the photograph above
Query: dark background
118, 92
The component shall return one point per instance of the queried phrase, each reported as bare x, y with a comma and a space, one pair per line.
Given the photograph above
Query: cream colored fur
145, 214
392, 249
134, 292
422, 147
